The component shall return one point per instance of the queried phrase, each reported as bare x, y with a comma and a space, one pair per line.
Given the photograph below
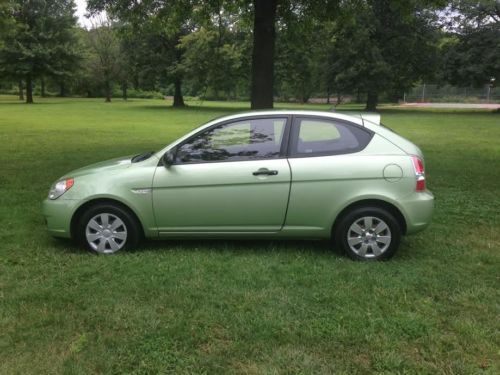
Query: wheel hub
106, 233
369, 237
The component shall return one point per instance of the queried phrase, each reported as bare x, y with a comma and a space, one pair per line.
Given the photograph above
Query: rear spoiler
370, 117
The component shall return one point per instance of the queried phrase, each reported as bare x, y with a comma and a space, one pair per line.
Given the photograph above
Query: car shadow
323, 247
259, 246
248, 246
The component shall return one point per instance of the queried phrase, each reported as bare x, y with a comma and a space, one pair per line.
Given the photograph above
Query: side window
327, 137
243, 140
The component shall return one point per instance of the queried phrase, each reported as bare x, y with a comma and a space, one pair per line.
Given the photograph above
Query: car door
328, 167
232, 177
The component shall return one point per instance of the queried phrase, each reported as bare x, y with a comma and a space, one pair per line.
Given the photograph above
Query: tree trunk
339, 99
371, 101
178, 99
29, 89
108, 92
21, 90
263, 54
42, 87
124, 91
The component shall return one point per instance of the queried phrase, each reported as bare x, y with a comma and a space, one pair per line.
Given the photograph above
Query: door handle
265, 172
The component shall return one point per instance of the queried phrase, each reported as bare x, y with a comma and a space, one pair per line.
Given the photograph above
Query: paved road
453, 105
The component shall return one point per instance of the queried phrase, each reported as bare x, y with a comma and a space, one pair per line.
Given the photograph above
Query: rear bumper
418, 209
58, 214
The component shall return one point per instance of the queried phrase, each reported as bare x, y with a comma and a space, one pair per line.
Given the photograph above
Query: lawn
244, 307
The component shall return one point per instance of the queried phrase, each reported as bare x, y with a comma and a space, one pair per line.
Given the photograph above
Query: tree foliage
106, 58
41, 41
250, 49
381, 46
471, 48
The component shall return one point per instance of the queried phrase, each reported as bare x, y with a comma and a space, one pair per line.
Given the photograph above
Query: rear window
317, 137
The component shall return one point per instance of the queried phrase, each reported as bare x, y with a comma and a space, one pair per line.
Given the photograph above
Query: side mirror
169, 158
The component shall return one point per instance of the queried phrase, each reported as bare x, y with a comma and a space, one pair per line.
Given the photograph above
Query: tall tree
107, 55
471, 48
166, 20
215, 57
6, 19
382, 46
41, 41
301, 50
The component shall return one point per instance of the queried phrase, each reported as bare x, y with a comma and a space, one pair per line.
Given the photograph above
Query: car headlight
60, 187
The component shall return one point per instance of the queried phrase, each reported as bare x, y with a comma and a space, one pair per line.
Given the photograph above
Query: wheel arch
92, 202
391, 208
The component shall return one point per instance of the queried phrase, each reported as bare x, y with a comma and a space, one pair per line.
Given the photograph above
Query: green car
272, 174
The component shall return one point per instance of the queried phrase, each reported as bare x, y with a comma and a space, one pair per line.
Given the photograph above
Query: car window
243, 140
327, 137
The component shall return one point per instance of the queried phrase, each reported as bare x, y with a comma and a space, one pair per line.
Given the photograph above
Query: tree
166, 20
6, 19
381, 46
471, 48
41, 41
301, 50
266, 14
214, 61
107, 56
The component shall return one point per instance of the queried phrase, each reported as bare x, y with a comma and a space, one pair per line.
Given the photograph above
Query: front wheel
107, 228
368, 233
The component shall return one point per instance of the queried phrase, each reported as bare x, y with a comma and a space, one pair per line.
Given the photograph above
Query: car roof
357, 118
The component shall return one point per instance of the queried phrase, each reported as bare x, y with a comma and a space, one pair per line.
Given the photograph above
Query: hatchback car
272, 174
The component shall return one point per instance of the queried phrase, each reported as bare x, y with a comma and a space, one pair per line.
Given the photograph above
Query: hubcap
369, 237
106, 233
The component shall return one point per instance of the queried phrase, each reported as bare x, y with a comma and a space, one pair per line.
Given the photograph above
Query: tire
113, 228
368, 234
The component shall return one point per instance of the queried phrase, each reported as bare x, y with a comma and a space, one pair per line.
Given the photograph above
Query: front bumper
58, 214
418, 209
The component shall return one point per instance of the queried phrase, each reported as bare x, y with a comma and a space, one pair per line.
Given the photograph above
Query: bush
138, 94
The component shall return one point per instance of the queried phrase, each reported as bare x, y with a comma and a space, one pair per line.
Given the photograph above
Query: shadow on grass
247, 245
68, 246
320, 248
323, 247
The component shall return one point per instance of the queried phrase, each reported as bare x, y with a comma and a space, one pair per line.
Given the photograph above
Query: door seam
289, 194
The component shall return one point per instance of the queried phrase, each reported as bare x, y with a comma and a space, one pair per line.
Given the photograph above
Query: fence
446, 93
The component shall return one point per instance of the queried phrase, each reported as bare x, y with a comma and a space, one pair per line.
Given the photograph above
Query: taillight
418, 165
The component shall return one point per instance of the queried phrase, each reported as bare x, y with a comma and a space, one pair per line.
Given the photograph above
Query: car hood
103, 166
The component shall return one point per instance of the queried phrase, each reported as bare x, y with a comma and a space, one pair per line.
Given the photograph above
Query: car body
267, 174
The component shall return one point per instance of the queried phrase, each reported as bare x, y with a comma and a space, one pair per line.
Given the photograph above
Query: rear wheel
107, 228
368, 233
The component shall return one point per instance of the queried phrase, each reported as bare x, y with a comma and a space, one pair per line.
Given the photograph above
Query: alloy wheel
369, 237
106, 233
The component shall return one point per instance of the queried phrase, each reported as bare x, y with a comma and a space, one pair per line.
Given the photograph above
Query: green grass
244, 307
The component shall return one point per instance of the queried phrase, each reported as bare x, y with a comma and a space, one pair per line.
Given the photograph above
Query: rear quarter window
319, 137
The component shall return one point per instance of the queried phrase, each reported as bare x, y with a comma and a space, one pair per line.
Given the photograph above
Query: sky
80, 12
81, 9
